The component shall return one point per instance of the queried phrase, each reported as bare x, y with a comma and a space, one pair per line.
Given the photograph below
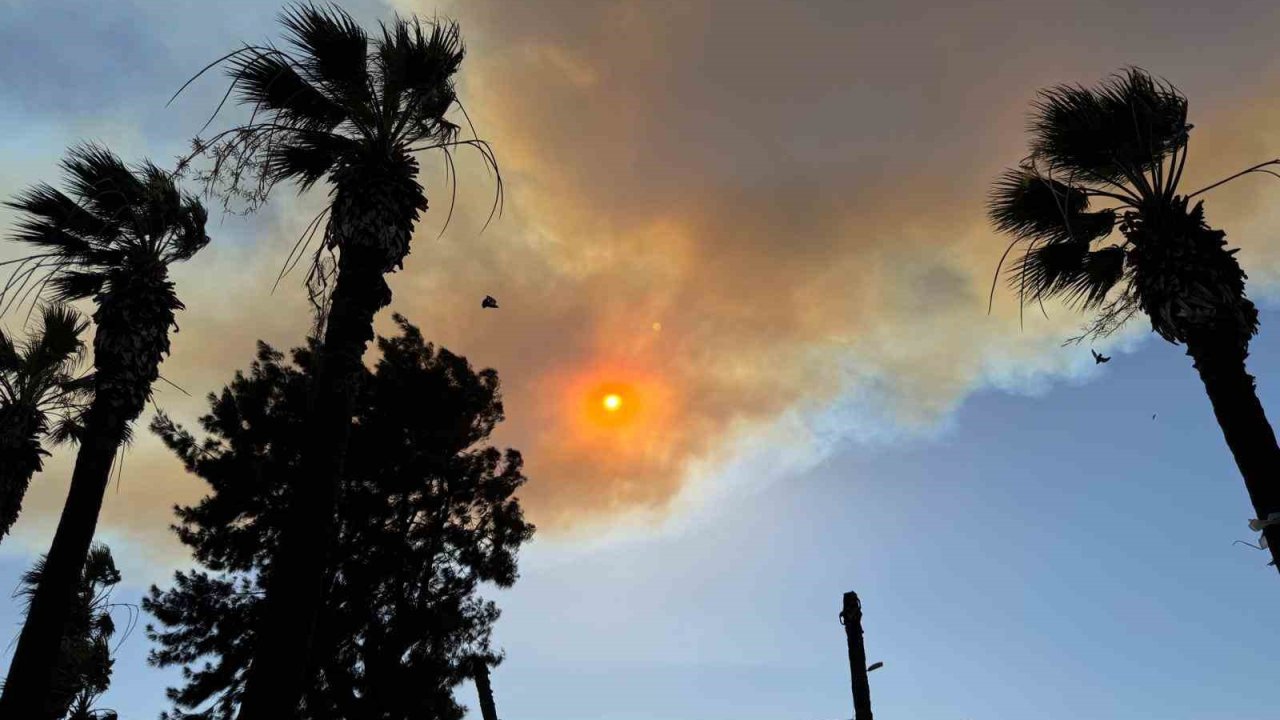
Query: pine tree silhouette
427, 514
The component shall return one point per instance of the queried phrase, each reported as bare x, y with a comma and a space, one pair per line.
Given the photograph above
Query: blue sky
794, 191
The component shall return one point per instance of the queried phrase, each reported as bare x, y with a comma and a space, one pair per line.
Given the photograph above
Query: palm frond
67, 429
1104, 269
29, 580
111, 215
59, 338
189, 236
10, 360
416, 63
72, 285
269, 80
104, 183
163, 201
100, 567
49, 235
333, 49
1116, 131
52, 205
1069, 270
1029, 206
307, 158
40, 376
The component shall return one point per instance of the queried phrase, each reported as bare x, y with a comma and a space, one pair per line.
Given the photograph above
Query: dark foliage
113, 222
84, 661
427, 514
1122, 143
110, 238
1118, 130
42, 396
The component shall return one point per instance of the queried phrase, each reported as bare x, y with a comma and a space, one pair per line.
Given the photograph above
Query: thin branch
451, 179
299, 247
204, 70
491, 164
1255, 168
177, 387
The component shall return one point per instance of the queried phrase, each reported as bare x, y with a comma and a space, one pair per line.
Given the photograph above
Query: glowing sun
614, 407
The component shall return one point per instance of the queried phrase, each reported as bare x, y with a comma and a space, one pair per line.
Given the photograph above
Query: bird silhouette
489, 302
1099, 359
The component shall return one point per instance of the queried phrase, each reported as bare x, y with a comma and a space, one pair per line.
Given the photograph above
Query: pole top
852, 607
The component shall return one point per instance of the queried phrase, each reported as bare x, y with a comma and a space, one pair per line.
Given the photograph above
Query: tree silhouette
111, 238
341, 106
41, 395
84, 663
427, 514
1123, 144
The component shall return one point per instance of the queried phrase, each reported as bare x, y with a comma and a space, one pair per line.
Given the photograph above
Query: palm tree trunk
31, 675
1244, 423
276, 680
1193, 290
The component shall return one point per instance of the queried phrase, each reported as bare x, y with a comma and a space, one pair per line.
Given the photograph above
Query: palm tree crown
110, 237
40, 375
113, 223
1122, 145
41, 395
353, 108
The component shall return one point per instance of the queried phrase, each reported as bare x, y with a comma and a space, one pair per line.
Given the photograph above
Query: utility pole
851, 619
481, 675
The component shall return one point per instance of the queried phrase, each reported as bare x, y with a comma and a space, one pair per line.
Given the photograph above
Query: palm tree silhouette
110, 238
84, 659
1123, 145
351, 109
41, 394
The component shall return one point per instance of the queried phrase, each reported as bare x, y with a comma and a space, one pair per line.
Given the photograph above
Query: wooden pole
851, 618
487, 709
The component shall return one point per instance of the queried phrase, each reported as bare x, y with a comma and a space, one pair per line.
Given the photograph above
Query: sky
765, 221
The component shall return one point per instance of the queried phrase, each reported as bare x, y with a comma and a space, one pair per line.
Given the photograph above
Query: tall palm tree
352, 109
111, 238
1122, 146
40, 394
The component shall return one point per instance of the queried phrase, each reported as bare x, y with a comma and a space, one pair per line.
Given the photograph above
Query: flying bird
489, 302
1099, 359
